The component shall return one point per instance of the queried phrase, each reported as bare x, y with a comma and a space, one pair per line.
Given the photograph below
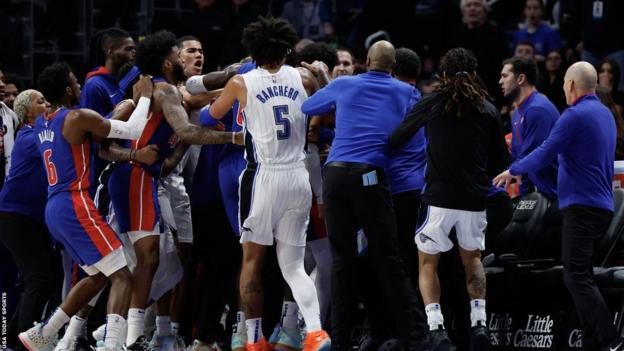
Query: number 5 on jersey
281, 112
50, 167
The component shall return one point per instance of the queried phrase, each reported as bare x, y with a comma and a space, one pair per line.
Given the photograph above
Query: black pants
410, 213
582, 227
29, 243
351, 206
217, 248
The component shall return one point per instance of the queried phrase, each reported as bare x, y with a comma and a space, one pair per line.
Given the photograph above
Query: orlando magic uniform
70, 213
275, 194
132, 185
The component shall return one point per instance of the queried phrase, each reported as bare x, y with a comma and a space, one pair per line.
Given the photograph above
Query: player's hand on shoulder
148, 155
143, 88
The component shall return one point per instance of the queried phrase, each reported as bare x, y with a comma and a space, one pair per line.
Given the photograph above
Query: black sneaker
141, 344
479, 338
616, 345
438, 340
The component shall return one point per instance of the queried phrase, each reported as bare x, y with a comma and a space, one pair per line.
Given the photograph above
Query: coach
584, 140
356, 194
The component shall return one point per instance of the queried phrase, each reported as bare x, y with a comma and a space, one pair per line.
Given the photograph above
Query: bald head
381, 56
584, 75
580, 79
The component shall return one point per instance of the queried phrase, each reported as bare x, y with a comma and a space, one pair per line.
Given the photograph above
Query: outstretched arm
212, 80
171, 104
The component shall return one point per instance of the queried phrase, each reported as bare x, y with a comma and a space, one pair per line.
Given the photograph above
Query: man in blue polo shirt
356, 195
531, 122
584, 141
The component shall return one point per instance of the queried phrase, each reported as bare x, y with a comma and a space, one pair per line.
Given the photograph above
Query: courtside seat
609, 248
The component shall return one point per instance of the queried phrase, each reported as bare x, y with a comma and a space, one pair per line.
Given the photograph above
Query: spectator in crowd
12, 87
22, 226
605, 97
345, 65
609, 77
601, 32
551, 80
8, 129
485, 39
525, 49
543, 37
305, 16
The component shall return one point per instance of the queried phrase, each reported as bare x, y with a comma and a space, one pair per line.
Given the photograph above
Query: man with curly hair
275, 192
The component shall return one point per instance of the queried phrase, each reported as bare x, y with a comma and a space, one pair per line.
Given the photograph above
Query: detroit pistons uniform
275, 194
70, 213
132, 185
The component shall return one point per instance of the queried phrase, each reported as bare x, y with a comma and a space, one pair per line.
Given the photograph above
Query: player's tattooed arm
170, 101
170, 163
111, 151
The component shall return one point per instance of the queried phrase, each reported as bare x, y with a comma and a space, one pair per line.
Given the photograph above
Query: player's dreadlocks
269, 40
459, 88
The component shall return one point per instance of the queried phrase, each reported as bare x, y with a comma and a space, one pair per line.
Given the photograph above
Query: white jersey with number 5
275, 127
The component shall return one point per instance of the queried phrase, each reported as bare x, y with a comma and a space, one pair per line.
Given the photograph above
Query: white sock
163, 325
136, 325
434, 316
75, 328
175, 328
115, 326
98, 334
254, 330
239, 326
289, 315
290, 260
55, 323
477, 312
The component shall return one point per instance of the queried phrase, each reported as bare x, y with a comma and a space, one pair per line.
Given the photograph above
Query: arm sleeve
560, 135
133, 128
195, 85
322, 101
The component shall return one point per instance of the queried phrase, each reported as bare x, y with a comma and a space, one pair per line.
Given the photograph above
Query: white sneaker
66, 344
101, 347
34, 340
98, 334
202, 346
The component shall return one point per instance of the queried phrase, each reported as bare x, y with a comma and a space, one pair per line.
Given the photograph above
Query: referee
583, 139
356, 194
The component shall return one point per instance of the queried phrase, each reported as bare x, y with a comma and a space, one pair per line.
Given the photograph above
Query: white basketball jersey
273, 122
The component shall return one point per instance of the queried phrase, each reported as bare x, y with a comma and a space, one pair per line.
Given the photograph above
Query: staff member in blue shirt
368, 108
22, 227
531, 122
583, 139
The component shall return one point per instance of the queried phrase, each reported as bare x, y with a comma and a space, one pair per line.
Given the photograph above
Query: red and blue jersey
70, 212
157, 132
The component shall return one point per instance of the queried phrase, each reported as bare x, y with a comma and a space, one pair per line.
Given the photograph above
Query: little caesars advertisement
535, 331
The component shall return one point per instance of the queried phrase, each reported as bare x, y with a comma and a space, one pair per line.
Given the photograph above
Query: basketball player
133, 186
275, 191
465, 139
64, 141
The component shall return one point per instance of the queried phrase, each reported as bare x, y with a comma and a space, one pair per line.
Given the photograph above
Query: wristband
206, 119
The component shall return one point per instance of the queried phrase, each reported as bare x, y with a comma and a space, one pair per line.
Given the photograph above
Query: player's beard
513, 94
178, 73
